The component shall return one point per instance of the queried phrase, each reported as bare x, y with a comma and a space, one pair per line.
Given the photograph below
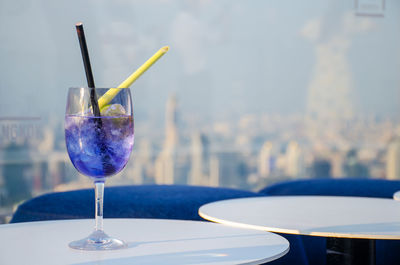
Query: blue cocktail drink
95, 151
99, 146
99, 137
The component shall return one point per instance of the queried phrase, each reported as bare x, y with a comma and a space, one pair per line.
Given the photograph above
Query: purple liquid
96, 151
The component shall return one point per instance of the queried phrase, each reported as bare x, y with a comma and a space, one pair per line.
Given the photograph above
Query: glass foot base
98, 240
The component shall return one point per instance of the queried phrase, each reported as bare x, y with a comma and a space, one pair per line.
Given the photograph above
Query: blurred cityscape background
250, 93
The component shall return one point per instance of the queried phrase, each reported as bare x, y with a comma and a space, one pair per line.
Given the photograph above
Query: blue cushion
147, 201
378, 188
386, 250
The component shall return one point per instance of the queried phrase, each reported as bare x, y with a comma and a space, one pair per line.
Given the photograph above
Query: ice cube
113, 110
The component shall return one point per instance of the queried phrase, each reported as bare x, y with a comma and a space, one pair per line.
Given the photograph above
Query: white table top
396, 196
150, 241
328, 216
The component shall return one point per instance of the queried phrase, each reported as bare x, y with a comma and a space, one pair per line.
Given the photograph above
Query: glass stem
99, 191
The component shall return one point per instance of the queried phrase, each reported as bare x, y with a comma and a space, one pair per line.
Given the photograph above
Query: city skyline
249, 153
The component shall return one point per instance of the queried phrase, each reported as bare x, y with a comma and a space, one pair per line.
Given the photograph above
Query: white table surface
329, 216
150, 241
396, 196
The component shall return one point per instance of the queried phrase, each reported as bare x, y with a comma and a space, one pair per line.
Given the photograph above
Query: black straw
88, 68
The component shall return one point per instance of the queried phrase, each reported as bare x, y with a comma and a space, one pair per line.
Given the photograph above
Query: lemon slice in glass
113, 110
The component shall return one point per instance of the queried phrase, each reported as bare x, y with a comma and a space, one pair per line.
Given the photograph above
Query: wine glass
99, 147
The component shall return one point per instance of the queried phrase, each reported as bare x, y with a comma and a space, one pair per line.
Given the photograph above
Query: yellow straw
112, 92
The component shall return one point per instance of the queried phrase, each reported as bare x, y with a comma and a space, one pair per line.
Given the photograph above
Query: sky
226, 57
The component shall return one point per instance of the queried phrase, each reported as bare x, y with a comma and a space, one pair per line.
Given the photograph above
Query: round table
335, 217
150, 241
396, 196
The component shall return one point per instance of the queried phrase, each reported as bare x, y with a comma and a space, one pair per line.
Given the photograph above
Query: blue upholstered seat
314, 247
146, 201
360, 187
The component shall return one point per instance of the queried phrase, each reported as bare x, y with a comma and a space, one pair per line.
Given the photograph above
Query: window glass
249, 94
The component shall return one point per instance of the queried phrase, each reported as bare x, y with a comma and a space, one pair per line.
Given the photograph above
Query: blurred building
353, 167
321, 168
200, 160
214, 171
331, 86
294, 161
165, 162
267, 158
16, 167
393, 159
140, 168
171, 123
229, 168
171, 165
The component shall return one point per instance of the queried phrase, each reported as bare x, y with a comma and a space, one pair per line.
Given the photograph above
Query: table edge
294, 231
